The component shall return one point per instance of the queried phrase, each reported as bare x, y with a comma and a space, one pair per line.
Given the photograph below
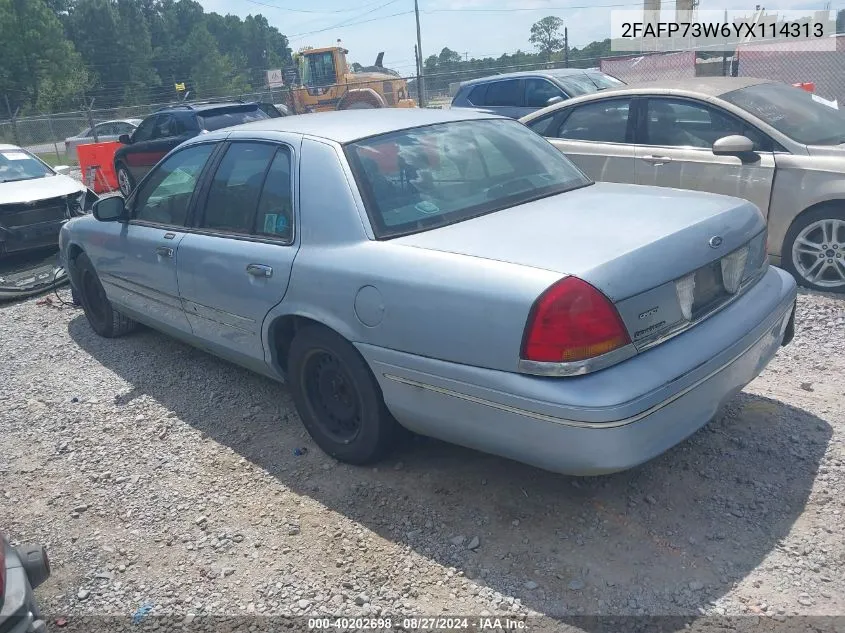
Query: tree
447, 57
39, 67
545, 36
113, 37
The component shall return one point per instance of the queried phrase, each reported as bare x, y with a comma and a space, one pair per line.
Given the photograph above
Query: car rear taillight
572, 321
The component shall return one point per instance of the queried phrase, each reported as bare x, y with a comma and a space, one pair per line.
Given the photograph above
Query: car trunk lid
623, 239
667, 258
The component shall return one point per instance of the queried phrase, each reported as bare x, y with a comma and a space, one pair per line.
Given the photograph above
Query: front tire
337, 397
103, 318
125, 181
814, 249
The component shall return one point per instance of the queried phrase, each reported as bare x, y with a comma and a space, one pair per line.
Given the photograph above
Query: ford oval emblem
715, 241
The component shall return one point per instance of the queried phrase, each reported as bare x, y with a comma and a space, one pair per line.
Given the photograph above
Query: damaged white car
35, 201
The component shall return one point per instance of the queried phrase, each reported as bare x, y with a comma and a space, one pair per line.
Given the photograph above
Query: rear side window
218, 119
538, 91
275, 207
236, 186
477, 95
503, 93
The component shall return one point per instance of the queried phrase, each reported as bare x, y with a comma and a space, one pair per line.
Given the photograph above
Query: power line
299, 36
275, 6
517, 9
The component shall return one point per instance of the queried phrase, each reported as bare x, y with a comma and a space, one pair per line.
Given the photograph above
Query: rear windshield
432, 176
218, 119
588, 83
791, 111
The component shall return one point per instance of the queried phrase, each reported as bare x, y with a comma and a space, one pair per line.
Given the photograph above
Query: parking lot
166, 481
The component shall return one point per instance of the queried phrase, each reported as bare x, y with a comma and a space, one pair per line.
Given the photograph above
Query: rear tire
125, 181
103, 318
337, 397
814, 249
35, 563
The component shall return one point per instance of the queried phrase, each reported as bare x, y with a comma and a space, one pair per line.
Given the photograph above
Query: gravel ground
163, 479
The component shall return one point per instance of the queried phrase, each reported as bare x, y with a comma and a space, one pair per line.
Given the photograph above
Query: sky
476, 28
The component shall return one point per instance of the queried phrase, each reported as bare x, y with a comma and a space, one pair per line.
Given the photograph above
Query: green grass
51, 159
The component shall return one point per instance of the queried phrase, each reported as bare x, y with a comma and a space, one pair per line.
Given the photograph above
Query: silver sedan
446, 271
105, 131
764, 141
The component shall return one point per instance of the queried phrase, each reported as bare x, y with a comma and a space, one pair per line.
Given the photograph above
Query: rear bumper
604, 422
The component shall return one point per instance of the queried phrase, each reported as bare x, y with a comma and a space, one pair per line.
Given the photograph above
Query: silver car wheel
123, 182
818, 253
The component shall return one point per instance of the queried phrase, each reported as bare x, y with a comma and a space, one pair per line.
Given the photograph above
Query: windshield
432, 176
18, 164
791, 111
588, 83
317, 69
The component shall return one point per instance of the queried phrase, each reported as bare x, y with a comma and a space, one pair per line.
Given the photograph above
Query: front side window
163, 197
164, 126
682, 123
432, 176
145, 130
503, 93
236, 187
539, 91
792, 112
105, 129
599, 121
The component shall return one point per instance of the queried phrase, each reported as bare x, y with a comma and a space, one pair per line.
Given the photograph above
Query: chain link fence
45, 134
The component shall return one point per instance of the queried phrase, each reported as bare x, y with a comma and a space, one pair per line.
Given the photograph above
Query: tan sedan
764, 141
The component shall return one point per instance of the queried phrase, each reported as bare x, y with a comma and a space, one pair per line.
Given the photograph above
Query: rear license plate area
709, 289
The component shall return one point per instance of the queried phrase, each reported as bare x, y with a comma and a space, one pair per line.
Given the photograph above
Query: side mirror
111, 209
125, 139
554, 100
733, 145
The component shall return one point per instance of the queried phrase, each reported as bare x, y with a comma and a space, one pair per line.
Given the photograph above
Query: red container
96, 161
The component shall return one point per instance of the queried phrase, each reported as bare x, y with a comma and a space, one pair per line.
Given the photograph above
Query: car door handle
259, 270
164, 251
656, 160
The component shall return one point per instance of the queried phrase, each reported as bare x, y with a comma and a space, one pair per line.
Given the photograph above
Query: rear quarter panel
441, 305
801, 182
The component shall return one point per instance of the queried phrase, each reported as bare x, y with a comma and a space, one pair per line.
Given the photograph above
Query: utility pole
421, 81
565, 47
417, 62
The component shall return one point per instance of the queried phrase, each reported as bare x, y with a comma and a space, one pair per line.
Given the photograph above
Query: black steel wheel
103, 318
337, 397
